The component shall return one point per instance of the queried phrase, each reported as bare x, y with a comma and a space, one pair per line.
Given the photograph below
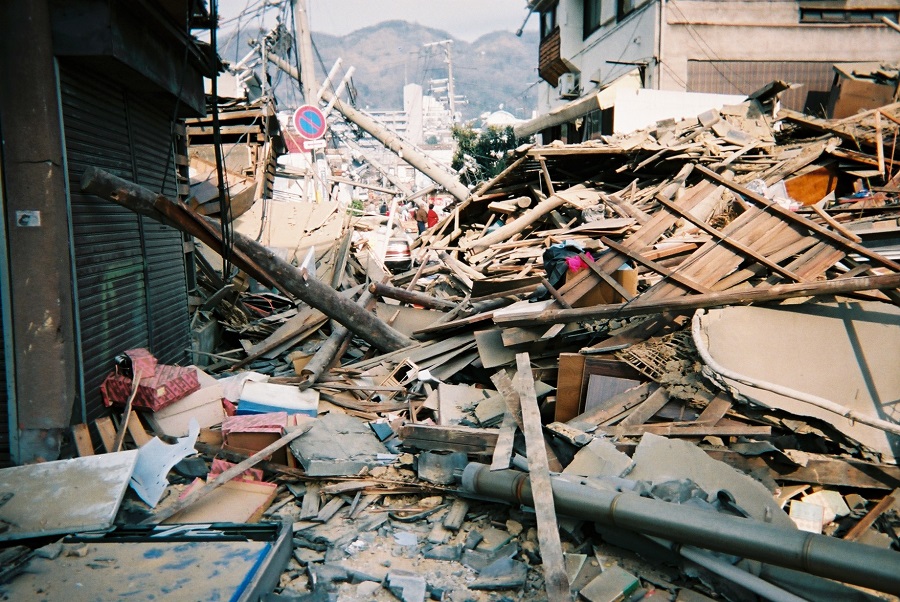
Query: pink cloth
576, 264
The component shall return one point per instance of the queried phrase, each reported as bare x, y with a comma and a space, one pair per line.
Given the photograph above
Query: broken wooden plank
838, 239
656, 267
510, 395
309, 509
715, 410
82, 436
138, 433
865, 522
409, 296
107, 432
555, 578
680, 430
504, 449
818, 471
614, 406
449, 438
569, 386
650, 406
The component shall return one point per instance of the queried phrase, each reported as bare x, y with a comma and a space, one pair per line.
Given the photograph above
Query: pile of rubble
677, 346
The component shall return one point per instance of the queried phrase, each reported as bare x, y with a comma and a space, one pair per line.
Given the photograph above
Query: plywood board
233, 502
491, 349
66, 496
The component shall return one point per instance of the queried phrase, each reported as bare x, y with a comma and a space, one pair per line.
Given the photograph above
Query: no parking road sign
309, 122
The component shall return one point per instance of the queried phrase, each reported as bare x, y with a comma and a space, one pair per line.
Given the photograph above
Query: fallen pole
687, 303
412, 297
275, 270
816, 554
331, 348
387, 137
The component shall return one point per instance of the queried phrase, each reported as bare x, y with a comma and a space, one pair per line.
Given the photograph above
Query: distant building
712, 46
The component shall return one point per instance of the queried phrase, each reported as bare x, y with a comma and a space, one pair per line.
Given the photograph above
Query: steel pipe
844, 561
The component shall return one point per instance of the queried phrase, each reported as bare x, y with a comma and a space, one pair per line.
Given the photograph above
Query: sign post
309, 121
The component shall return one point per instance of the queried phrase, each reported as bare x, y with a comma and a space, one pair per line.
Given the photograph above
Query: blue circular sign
309, 122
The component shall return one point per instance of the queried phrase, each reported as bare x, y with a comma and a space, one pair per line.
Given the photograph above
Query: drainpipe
659, 41
820, 555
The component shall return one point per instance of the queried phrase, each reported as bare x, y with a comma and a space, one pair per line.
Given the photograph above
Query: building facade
710, 46
84, 83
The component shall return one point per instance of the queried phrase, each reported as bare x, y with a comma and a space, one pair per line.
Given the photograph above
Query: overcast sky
464, 19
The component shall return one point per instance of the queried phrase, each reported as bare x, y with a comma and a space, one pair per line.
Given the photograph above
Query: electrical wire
224, 200
708, 51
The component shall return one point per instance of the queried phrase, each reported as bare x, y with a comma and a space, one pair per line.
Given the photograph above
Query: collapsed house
676, 346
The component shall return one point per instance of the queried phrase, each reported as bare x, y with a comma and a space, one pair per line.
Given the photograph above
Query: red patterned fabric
166, 386
142, 361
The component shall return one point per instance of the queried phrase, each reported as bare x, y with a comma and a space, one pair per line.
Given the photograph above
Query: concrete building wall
667, 35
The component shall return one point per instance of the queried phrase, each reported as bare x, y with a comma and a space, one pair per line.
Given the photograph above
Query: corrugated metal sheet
127, 268
745, 77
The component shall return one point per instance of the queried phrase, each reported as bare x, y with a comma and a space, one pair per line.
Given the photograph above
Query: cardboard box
205, 405
603, 293
165, 387
247, 434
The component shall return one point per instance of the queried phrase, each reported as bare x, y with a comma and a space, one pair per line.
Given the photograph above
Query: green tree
481, 155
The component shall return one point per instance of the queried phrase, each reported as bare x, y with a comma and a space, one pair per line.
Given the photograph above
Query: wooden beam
409, 296
510, 395
275, 270
614, 406
449, 438
740, 247
818, 471
691, 302
107, 432
555, 579
865, 522
608, 279
687, 430
82, 435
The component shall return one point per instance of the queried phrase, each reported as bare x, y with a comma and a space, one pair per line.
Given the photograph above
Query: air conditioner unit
568, 85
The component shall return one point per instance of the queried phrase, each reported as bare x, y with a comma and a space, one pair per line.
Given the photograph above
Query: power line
710, 54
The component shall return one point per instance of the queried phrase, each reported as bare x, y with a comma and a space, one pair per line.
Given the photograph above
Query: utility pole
304, 45
451, 96
307, 80
450, 92
406, 151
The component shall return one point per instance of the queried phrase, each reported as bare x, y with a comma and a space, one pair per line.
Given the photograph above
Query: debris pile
565, 395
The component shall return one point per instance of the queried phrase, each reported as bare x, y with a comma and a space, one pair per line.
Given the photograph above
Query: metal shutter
163, 245
127, 267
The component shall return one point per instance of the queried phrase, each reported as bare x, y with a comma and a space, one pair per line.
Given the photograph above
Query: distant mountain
498, 69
